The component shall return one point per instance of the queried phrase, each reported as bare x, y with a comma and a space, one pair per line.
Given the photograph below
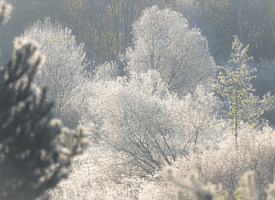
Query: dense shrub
139, 117
227, 164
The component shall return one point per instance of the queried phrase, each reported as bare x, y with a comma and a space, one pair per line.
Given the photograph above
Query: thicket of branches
63, 72
164, 121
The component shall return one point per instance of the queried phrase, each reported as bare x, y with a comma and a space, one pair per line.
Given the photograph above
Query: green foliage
234, 85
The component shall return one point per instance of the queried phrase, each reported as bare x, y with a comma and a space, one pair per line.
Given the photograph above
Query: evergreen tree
31, 158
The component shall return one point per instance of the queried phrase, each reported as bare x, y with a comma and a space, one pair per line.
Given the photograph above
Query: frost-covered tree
106, 72
195, 15
137, 116
201, 114
63, 69
234, 85
31, 159
163, 42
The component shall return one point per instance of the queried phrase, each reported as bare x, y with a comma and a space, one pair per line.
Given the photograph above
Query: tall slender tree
235, 86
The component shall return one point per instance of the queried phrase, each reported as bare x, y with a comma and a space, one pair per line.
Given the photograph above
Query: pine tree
31, 158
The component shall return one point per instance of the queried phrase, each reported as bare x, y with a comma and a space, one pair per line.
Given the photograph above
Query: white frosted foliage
62, 72
164, 42
139, 117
